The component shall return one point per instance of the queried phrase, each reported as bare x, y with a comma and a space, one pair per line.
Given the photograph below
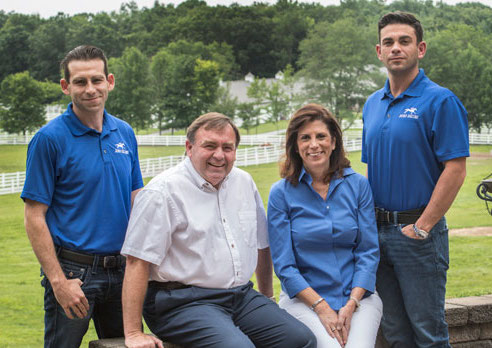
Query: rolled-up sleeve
279, 233
366, 252
149, 232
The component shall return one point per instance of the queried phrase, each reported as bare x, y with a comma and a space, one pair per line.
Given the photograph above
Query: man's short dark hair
399, 17
212, 120
84, 52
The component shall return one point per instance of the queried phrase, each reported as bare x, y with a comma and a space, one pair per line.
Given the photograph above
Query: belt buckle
110, 261
388, 216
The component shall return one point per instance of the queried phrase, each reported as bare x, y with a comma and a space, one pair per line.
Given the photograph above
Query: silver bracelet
357, 302
317, 302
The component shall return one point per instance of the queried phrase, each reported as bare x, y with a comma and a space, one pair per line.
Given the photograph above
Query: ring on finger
333, 329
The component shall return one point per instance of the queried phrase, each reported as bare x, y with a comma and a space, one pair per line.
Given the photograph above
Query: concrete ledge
469, 320
119, 343
479, 308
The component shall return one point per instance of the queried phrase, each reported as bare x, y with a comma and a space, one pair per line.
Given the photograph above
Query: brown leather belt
108, 261
405, 217
168, 285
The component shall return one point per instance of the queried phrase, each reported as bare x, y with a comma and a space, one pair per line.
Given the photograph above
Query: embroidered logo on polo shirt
409, 113
120, 148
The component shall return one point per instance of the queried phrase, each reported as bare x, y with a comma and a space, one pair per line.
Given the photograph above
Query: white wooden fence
11, 182
270, 150
269, 139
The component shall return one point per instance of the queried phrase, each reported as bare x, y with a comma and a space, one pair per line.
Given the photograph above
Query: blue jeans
411, 281
239, 317
102, 288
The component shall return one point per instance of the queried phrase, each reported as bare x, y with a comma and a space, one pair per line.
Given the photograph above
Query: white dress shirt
192, 233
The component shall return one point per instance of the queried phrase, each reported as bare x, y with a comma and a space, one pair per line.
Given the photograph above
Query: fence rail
270, 150
11, 182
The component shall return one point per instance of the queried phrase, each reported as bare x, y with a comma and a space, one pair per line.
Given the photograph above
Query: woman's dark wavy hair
291, 167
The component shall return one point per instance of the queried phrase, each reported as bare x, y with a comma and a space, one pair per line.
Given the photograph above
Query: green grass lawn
21, 296
12, 158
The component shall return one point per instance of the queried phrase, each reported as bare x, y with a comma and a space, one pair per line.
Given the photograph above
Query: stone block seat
120, 343
469, 320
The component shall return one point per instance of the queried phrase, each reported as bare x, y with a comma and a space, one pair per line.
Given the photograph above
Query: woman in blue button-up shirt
323, 235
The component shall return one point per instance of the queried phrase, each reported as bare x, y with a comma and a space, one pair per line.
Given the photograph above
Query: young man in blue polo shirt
415, 144
82, 175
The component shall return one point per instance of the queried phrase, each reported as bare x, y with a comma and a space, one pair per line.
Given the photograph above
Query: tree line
168, 60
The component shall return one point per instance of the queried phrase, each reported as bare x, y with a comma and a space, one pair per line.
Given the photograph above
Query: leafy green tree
249, 114
14, 43
459, 58
22, 108
225, 103
99, 29
52, 93
205, 85
186, 86
220, 53
291, 25
337, 60
48, 47
131, 99
271, 98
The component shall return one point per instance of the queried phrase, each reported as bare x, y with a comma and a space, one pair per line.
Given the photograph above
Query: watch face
420, 233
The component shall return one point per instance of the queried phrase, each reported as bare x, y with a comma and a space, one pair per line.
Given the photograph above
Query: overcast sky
48, 8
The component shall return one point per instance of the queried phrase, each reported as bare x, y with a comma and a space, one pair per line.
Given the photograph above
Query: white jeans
363, 328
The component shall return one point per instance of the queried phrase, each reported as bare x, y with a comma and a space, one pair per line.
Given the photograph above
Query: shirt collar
414, 90
78, 129
198, 180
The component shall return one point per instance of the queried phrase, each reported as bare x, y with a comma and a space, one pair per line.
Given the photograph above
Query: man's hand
329, 319
409, 232
344, 319
141, 340
71, 298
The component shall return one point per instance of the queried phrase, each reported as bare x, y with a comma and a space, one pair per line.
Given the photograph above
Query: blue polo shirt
406, 140
86, 178
329, 245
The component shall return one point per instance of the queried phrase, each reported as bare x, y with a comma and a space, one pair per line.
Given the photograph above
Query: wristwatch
420, 232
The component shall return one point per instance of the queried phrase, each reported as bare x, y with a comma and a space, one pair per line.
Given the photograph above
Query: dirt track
472, 231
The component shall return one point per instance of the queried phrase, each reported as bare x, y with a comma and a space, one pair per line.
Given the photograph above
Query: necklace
321, 188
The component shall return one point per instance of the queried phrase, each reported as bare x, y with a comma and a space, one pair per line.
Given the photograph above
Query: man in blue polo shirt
82, 174
415, 144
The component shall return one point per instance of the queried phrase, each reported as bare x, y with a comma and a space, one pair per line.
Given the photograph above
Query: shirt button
327, 207
105, 151
389, 115
223, 220
232, 245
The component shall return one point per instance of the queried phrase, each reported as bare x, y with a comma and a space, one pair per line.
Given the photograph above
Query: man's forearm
134, 290
264, 272
41, 241
444, 193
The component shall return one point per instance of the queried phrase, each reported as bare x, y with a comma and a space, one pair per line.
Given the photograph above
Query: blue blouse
330, 245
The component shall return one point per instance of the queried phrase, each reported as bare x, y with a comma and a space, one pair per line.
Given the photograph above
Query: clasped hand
337, 325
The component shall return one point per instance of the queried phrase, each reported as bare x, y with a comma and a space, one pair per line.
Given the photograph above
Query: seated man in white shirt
197, 232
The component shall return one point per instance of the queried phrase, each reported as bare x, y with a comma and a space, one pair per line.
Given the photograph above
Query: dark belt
109, 261
405, 217
168, 285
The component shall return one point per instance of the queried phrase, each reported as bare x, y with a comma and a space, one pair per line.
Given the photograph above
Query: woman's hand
344, 319
329, 318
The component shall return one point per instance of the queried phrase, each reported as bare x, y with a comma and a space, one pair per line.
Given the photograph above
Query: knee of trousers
301, 337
